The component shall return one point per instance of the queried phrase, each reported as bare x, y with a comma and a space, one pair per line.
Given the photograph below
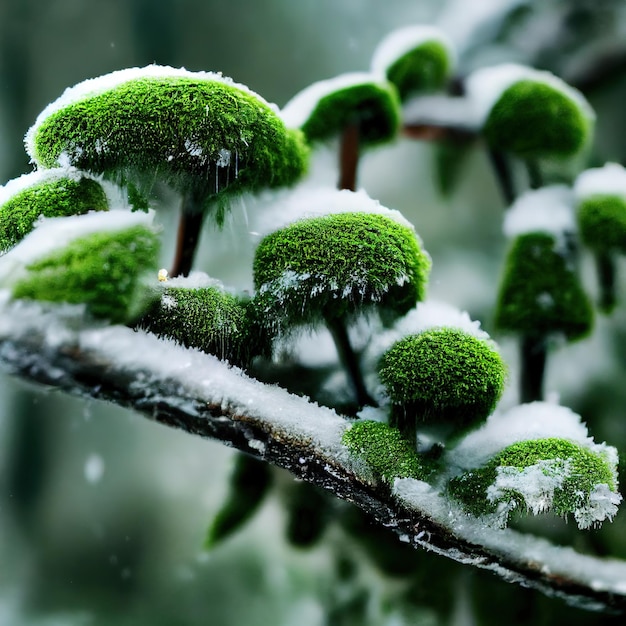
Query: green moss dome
540, 293
336, 265
207, 136
48, 197
602, 222
533, 119
102, 270
443, 375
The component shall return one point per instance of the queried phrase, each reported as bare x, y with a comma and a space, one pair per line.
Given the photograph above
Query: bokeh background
103, 513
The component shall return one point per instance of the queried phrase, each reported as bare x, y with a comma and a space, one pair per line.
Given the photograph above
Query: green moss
374, 107
201, 136
532, 119
443, 375
577, 469
102, 270
425, 68
209, 319
56, 197
335, 266
385, 451
602, 223
540, 293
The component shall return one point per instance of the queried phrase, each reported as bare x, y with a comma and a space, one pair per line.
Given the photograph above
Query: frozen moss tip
197, 131
210, 319
103, 270
51, 193
324, 109
416, 59
337, 265
543, 475
540, 293
385, 451
443, 376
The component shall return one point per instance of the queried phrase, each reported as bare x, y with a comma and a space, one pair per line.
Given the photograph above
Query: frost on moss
102, 270
540, 293
48, 196
200, 133
443, 377
324, 109
543, 475
385, 451
210, 319
337, 266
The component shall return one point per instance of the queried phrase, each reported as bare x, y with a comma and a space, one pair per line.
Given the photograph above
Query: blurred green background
102, 512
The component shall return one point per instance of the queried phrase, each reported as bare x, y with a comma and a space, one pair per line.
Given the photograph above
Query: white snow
485, 86
546, 210
401, 41
524, 422
53, 233
299, 109
608, 180
441, 110
96, 86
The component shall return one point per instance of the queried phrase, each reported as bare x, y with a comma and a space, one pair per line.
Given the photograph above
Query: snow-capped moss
535, 118
200, 133
101, 270
540, 293
602, 222
443, 376
324, 109
56, 195
334, 266
210, 319
387, 453
543, 475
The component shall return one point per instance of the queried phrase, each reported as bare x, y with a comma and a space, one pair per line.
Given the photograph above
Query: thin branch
194, 392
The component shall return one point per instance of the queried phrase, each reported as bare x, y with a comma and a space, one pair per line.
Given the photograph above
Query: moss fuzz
385, 451
602, 223
425, 68
209, 319
375, 108
443, 376
336, 265
203, 136
586, 470
540, 294
532, 119
53, 198
101, 270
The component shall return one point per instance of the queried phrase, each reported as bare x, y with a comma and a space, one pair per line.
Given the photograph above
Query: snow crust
299, 109
485, 86
546, 210
96, 86
607, 180
401, 41
53, 233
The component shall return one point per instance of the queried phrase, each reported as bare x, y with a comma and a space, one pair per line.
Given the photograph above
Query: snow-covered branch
203, 396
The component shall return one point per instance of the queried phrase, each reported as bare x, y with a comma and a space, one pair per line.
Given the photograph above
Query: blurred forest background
103, 513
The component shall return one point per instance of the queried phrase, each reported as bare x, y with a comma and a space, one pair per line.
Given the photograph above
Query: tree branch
197, 393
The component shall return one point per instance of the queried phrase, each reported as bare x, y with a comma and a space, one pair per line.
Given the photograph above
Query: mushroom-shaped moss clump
47, 193
330, 269
201, 133
86, 260
363, 109
385, 451
601, 212
416, 59
210, 319
541, 475
444, 378
529, 113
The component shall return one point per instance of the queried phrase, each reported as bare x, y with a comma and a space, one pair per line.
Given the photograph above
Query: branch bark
92, 363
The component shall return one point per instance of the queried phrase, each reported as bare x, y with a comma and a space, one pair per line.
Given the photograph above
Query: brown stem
189, 228
349, 157
533, 365
435, 132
